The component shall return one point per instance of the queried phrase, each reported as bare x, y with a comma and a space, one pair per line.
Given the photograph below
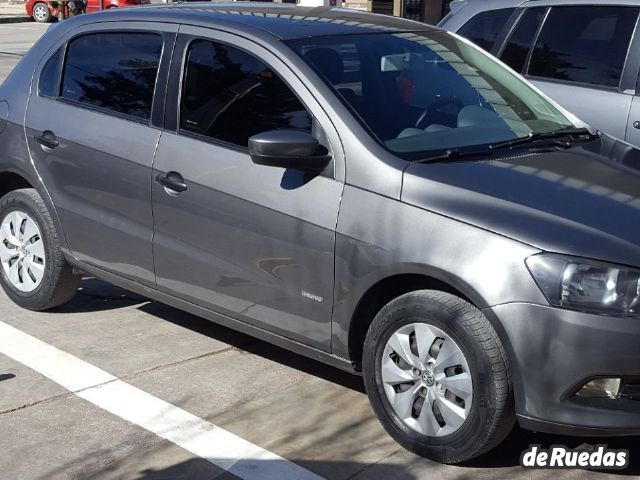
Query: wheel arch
387, 288
14, 179
10, 181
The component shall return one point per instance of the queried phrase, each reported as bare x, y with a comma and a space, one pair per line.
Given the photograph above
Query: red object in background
406, 86
44, 12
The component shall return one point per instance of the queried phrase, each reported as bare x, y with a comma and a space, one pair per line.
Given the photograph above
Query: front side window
229, 95
113, 71
517, 48
484, 28
584, 44
419, 93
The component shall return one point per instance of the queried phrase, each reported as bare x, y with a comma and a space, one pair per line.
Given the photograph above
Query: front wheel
33, 270
41, 13
437, 378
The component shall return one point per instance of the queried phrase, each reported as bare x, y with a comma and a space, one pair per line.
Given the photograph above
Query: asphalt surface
308, 414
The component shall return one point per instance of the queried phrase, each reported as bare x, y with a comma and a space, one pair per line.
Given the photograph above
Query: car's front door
90, 136
252, 242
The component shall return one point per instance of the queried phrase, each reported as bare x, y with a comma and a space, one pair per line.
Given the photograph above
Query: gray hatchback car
374, 193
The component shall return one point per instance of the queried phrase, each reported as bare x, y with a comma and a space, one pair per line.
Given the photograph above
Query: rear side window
113, 71
230, 95
484, 28
584, 44
517, 48
50, 75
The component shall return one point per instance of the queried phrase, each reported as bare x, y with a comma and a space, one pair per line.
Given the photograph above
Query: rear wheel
41, 13
436, 375
33, 270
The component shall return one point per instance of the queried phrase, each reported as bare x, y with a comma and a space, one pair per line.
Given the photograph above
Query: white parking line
202, 438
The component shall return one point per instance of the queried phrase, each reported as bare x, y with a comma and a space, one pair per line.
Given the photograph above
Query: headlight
587, 285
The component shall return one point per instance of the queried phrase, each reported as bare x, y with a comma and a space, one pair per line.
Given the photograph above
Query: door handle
172, 182
47, 139
636, 124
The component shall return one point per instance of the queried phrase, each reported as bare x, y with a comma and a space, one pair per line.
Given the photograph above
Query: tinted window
115, 71
230, 95
48, 84
421, 93
517, 48
584, 44
339, 64
484, 28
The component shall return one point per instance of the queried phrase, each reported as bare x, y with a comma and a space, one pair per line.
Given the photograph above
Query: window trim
156, 102
506, 31
501, 34
592, 86
521, 12
184, 52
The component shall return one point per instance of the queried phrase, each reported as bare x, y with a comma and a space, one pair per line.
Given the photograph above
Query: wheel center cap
428, 379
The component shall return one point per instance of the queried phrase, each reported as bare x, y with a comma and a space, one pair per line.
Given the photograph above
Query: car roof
279, 20
496, 4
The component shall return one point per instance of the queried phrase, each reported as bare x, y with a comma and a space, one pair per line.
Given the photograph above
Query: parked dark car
585, 54
375, 193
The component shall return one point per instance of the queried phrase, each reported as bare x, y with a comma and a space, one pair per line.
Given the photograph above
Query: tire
420, 424
43, 280
41, 13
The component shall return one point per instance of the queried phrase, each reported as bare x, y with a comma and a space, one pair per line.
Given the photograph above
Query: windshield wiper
536, 137
454, 154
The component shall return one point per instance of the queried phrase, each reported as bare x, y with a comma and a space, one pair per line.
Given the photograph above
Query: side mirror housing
288, 149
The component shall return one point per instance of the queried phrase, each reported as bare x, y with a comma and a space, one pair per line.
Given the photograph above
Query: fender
37, 184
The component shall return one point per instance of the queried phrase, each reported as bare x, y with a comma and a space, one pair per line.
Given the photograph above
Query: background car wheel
436, 375
33, 270
41, 13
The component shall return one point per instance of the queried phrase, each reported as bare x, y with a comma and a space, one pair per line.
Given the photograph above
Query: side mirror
288, 149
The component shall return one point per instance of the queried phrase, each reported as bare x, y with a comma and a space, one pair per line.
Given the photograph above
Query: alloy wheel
40, 12
427, 379
22, 251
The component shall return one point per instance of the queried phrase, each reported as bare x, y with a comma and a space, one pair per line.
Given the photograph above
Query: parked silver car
585, 54
372, 192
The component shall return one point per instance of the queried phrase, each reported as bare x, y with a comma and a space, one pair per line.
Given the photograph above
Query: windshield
424, 92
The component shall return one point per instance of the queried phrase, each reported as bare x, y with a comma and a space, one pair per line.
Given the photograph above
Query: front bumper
553, 352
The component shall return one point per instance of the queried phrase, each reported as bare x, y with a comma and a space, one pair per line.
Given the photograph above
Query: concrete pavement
305, 412
15, 40
13, 12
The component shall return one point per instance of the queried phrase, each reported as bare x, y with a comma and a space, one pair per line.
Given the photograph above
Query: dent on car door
90, 138
252, 242
579, 60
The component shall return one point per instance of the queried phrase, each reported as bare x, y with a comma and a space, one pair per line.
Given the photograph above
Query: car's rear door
92, 138
251, 242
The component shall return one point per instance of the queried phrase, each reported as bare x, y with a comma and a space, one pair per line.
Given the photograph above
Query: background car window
49, 76
484, 28
584, 44
517, 48
230, 95
114, 71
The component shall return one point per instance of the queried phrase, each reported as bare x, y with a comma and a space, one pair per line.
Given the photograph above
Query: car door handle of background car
47, 139
636, 124
172, 181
